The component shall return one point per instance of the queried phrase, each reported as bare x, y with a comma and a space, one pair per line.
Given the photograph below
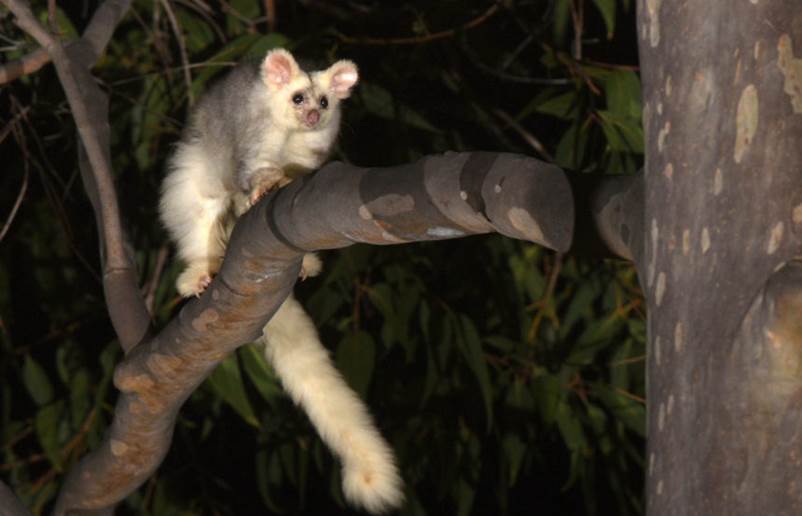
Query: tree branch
439, 197
89, 108
24, 66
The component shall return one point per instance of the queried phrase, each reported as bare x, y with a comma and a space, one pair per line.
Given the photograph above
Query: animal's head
306, 100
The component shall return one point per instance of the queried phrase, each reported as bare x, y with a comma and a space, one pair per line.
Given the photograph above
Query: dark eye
324, 102
298, 98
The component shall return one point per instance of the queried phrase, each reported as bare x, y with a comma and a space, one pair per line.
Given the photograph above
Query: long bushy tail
370, 476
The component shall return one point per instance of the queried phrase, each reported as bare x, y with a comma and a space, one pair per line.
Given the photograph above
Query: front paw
195, 279
264, 181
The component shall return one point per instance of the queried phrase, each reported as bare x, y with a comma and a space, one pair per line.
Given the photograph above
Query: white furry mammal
256, 130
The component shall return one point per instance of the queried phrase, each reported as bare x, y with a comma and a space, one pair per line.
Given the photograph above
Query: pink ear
344, 76
279, 68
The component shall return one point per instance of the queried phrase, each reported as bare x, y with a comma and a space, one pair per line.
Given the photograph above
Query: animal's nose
313, 117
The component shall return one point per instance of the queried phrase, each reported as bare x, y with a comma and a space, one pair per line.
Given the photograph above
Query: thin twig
416, 40
631, 396
206, 13
182, 48
526, 135
270, 14
17, 202
155, 279
504, 76
24, 65
578, 18
542, 303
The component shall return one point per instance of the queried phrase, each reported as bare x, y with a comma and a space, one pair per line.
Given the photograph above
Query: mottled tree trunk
723, 216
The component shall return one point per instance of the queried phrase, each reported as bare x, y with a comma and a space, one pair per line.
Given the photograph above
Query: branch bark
437, 198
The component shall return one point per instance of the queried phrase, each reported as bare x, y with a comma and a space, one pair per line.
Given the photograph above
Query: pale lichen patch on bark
797, 214
679, 337
162, 365
701, 91
653, 6
132, 383
364, 213
705, 240
718, 182
661, 136
686, 242
205, 319
660, 289
791, 69
775, 238
523, 222
746, 120
391, 204
118, 448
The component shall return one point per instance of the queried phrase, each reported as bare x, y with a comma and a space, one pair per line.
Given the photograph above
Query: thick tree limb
723, 215
437, 198
609, 216
89, 106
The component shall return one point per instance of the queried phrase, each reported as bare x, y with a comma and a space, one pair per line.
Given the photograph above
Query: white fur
370, 477
245, 137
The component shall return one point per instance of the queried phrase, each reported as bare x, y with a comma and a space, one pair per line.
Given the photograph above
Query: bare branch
182, 48
89, 108
24, 66
439, 197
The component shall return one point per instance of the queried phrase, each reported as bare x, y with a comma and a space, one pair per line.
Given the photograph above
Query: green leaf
474, 354
514, 452
625, 409
624, 134
564, 106
607, 10
47, 423
580, 306
562, 15
572, 147
80, 400
570, 427
356, 356
549, 394
226, 381
379, 102
36, 382
623, 92
196, 31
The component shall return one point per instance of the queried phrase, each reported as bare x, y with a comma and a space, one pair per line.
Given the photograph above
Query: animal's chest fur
298, 152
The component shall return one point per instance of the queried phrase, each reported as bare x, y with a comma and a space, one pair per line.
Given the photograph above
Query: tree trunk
723, 216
